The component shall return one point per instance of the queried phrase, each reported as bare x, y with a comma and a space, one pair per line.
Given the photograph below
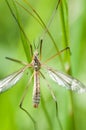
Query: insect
60, 78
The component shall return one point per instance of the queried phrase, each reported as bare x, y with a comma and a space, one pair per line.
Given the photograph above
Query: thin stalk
72, 109
26, 43
65, 28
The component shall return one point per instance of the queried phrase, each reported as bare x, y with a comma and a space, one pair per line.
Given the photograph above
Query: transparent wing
66, 81
11, 80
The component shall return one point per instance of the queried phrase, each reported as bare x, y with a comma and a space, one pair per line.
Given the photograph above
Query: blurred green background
70, 31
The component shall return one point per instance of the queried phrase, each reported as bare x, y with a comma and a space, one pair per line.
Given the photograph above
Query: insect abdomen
36, 90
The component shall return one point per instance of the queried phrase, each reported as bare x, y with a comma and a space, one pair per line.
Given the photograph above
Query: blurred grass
72, 108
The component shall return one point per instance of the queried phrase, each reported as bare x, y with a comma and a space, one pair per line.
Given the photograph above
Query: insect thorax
35, 63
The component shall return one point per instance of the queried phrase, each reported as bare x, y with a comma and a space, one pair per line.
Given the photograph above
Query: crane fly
60, 78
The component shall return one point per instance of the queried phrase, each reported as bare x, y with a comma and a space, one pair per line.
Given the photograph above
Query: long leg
58, 53
55, 100
39, 20
25, 40
37, 17
15, 60
21, 104
51, 19
48, 25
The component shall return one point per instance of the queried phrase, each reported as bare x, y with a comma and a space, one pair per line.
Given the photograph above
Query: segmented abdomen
36, 90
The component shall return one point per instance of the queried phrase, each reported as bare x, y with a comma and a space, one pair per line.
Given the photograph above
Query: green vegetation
68, 29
